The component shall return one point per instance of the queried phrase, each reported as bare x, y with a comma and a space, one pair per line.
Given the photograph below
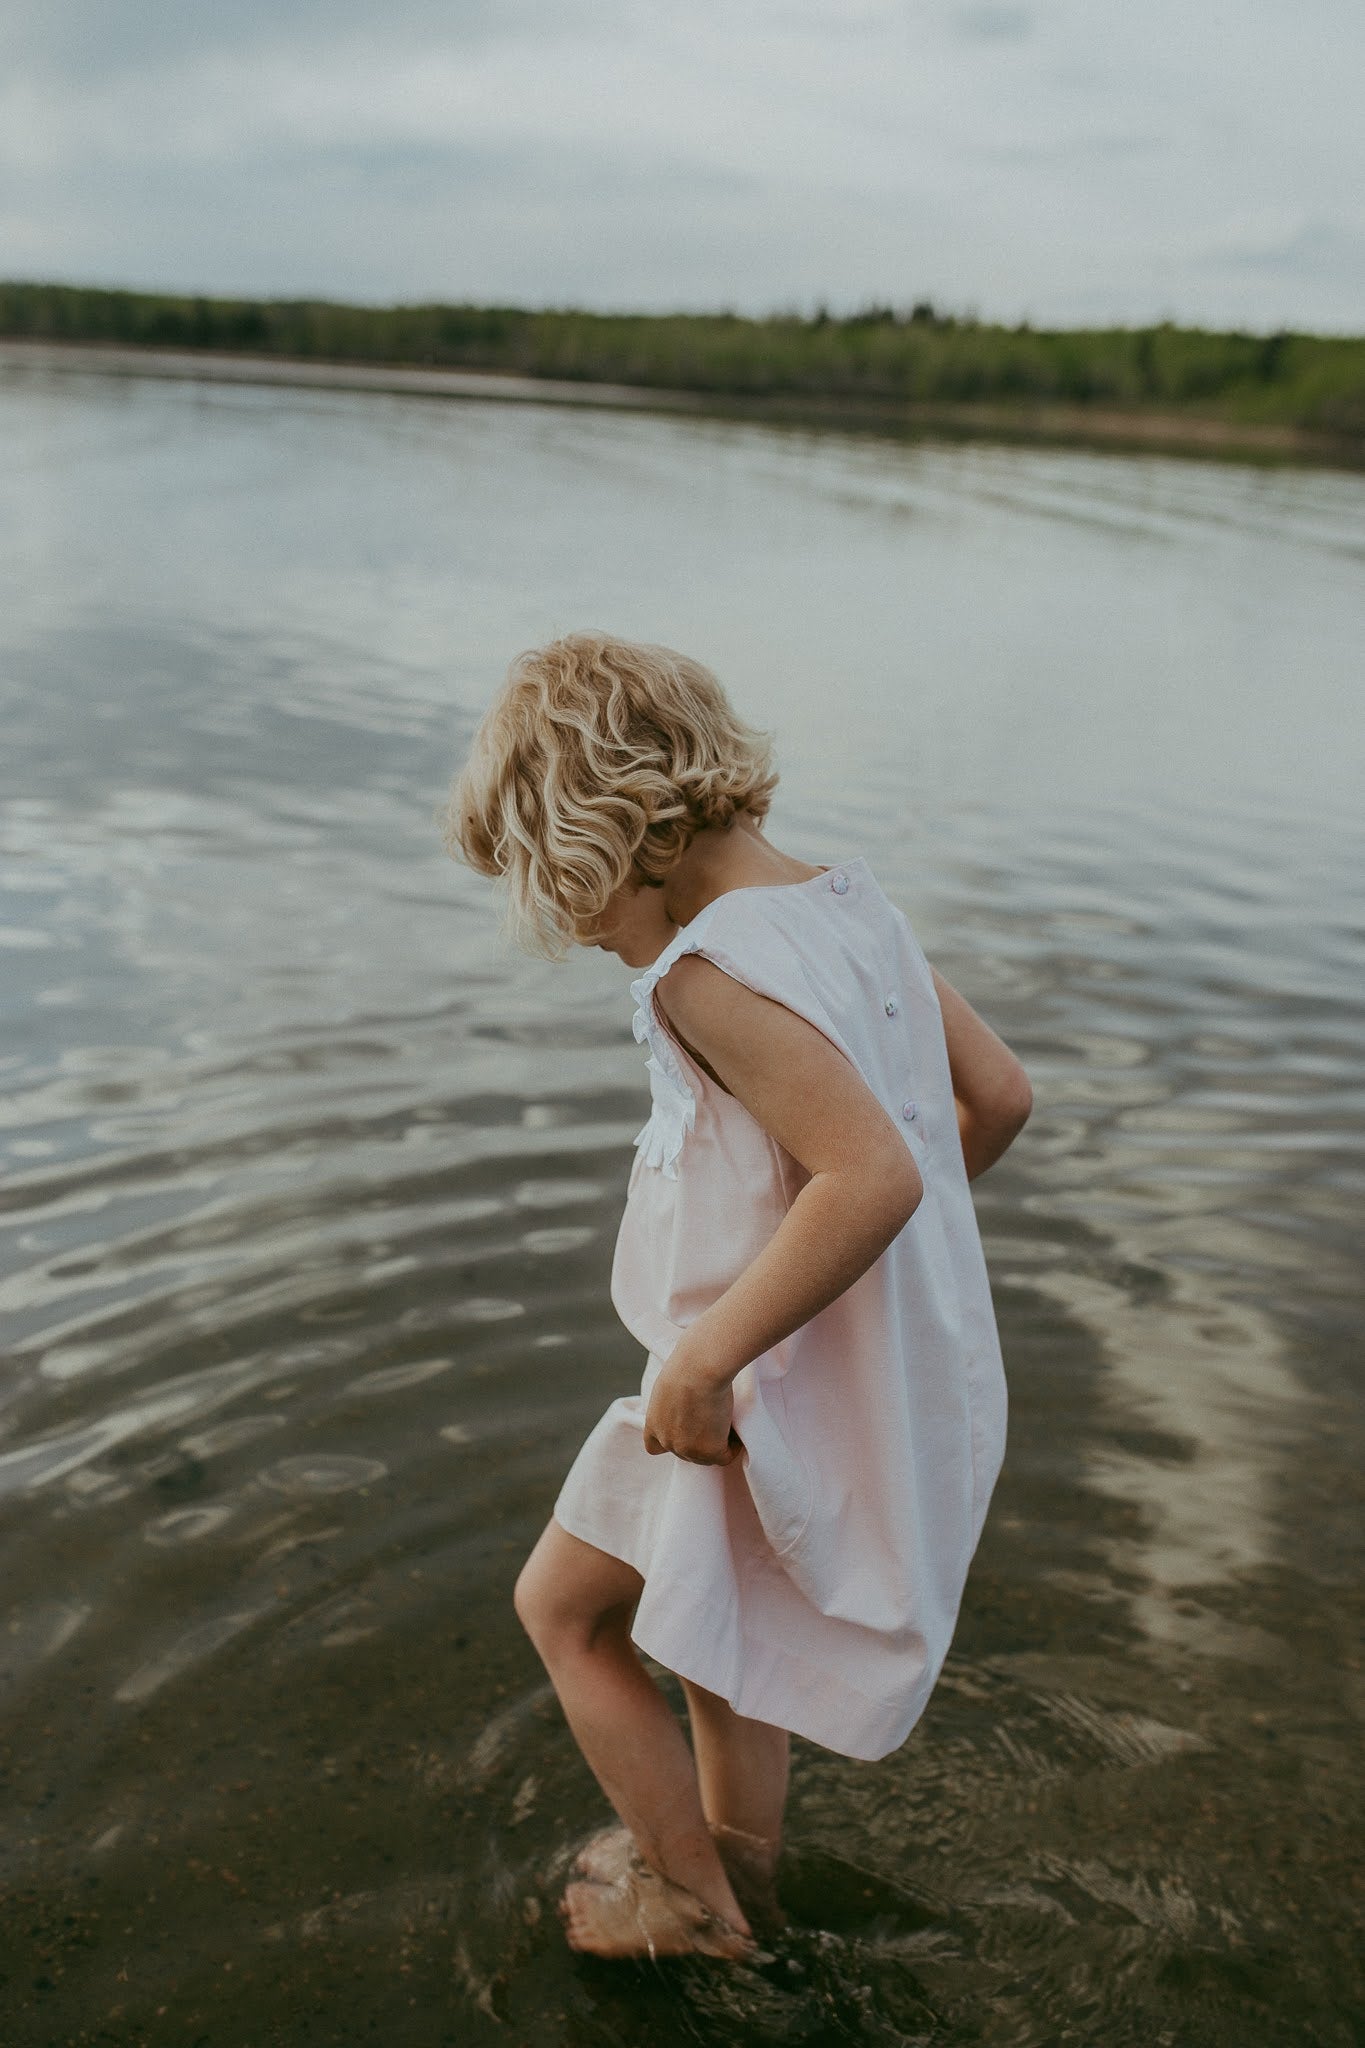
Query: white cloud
1067, 160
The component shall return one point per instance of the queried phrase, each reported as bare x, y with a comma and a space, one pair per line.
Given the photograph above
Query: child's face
635, 925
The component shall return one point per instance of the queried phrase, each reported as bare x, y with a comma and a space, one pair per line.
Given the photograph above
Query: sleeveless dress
814, 1582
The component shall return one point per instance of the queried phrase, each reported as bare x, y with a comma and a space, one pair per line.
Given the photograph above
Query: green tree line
880, 355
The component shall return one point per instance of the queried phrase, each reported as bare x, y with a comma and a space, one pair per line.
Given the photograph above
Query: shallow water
311, 1187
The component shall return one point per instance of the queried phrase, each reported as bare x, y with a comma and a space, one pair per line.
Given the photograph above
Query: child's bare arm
863, 1188
993, 1093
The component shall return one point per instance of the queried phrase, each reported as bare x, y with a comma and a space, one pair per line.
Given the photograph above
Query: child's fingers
698, 1455
694, 1454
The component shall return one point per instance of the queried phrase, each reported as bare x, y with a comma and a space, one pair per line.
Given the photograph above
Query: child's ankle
754, 1848
726, 1914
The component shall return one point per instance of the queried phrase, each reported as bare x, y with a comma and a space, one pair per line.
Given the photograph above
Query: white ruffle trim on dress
674, 1110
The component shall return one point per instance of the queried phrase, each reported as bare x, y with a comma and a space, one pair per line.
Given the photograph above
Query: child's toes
581, 1921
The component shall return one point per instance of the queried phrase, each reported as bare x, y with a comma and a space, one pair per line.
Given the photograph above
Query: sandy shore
218, 367
1077, 425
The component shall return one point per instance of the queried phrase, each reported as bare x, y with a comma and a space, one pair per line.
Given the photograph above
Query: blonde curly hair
599, 760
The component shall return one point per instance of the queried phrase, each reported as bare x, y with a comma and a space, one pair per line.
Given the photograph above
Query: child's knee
529, 1598
545, 1607
561, 1616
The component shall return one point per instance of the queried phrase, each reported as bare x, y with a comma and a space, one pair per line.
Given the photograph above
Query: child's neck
722, 858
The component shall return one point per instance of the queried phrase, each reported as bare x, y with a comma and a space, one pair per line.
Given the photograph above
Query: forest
881, 356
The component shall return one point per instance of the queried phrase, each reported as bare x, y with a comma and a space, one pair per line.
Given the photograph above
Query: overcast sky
1055, 160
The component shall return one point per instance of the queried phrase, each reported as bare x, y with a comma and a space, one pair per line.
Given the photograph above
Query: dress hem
847, 1723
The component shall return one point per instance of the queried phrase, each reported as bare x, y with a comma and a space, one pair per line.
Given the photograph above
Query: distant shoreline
1099, 426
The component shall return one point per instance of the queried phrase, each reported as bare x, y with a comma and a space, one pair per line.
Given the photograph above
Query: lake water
311, 1187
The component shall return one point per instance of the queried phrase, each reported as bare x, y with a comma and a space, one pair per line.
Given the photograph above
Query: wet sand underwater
311, 1185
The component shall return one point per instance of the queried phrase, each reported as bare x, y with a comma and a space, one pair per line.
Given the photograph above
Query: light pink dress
815, 1582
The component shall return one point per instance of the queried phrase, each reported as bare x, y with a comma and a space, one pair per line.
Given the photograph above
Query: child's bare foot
642, 1914
605, 1858
750, 1864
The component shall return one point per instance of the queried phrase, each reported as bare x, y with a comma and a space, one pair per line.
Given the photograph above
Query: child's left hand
691, 1417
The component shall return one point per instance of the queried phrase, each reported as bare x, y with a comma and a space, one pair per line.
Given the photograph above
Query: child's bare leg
742, 1767
576, 1603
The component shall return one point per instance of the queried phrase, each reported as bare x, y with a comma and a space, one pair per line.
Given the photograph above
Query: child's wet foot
605, 1859
641, 1914
750, 1864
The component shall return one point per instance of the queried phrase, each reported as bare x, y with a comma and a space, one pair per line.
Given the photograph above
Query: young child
785, 1513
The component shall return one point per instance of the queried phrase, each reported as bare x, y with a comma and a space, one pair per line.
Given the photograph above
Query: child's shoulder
834, 911
841, 912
